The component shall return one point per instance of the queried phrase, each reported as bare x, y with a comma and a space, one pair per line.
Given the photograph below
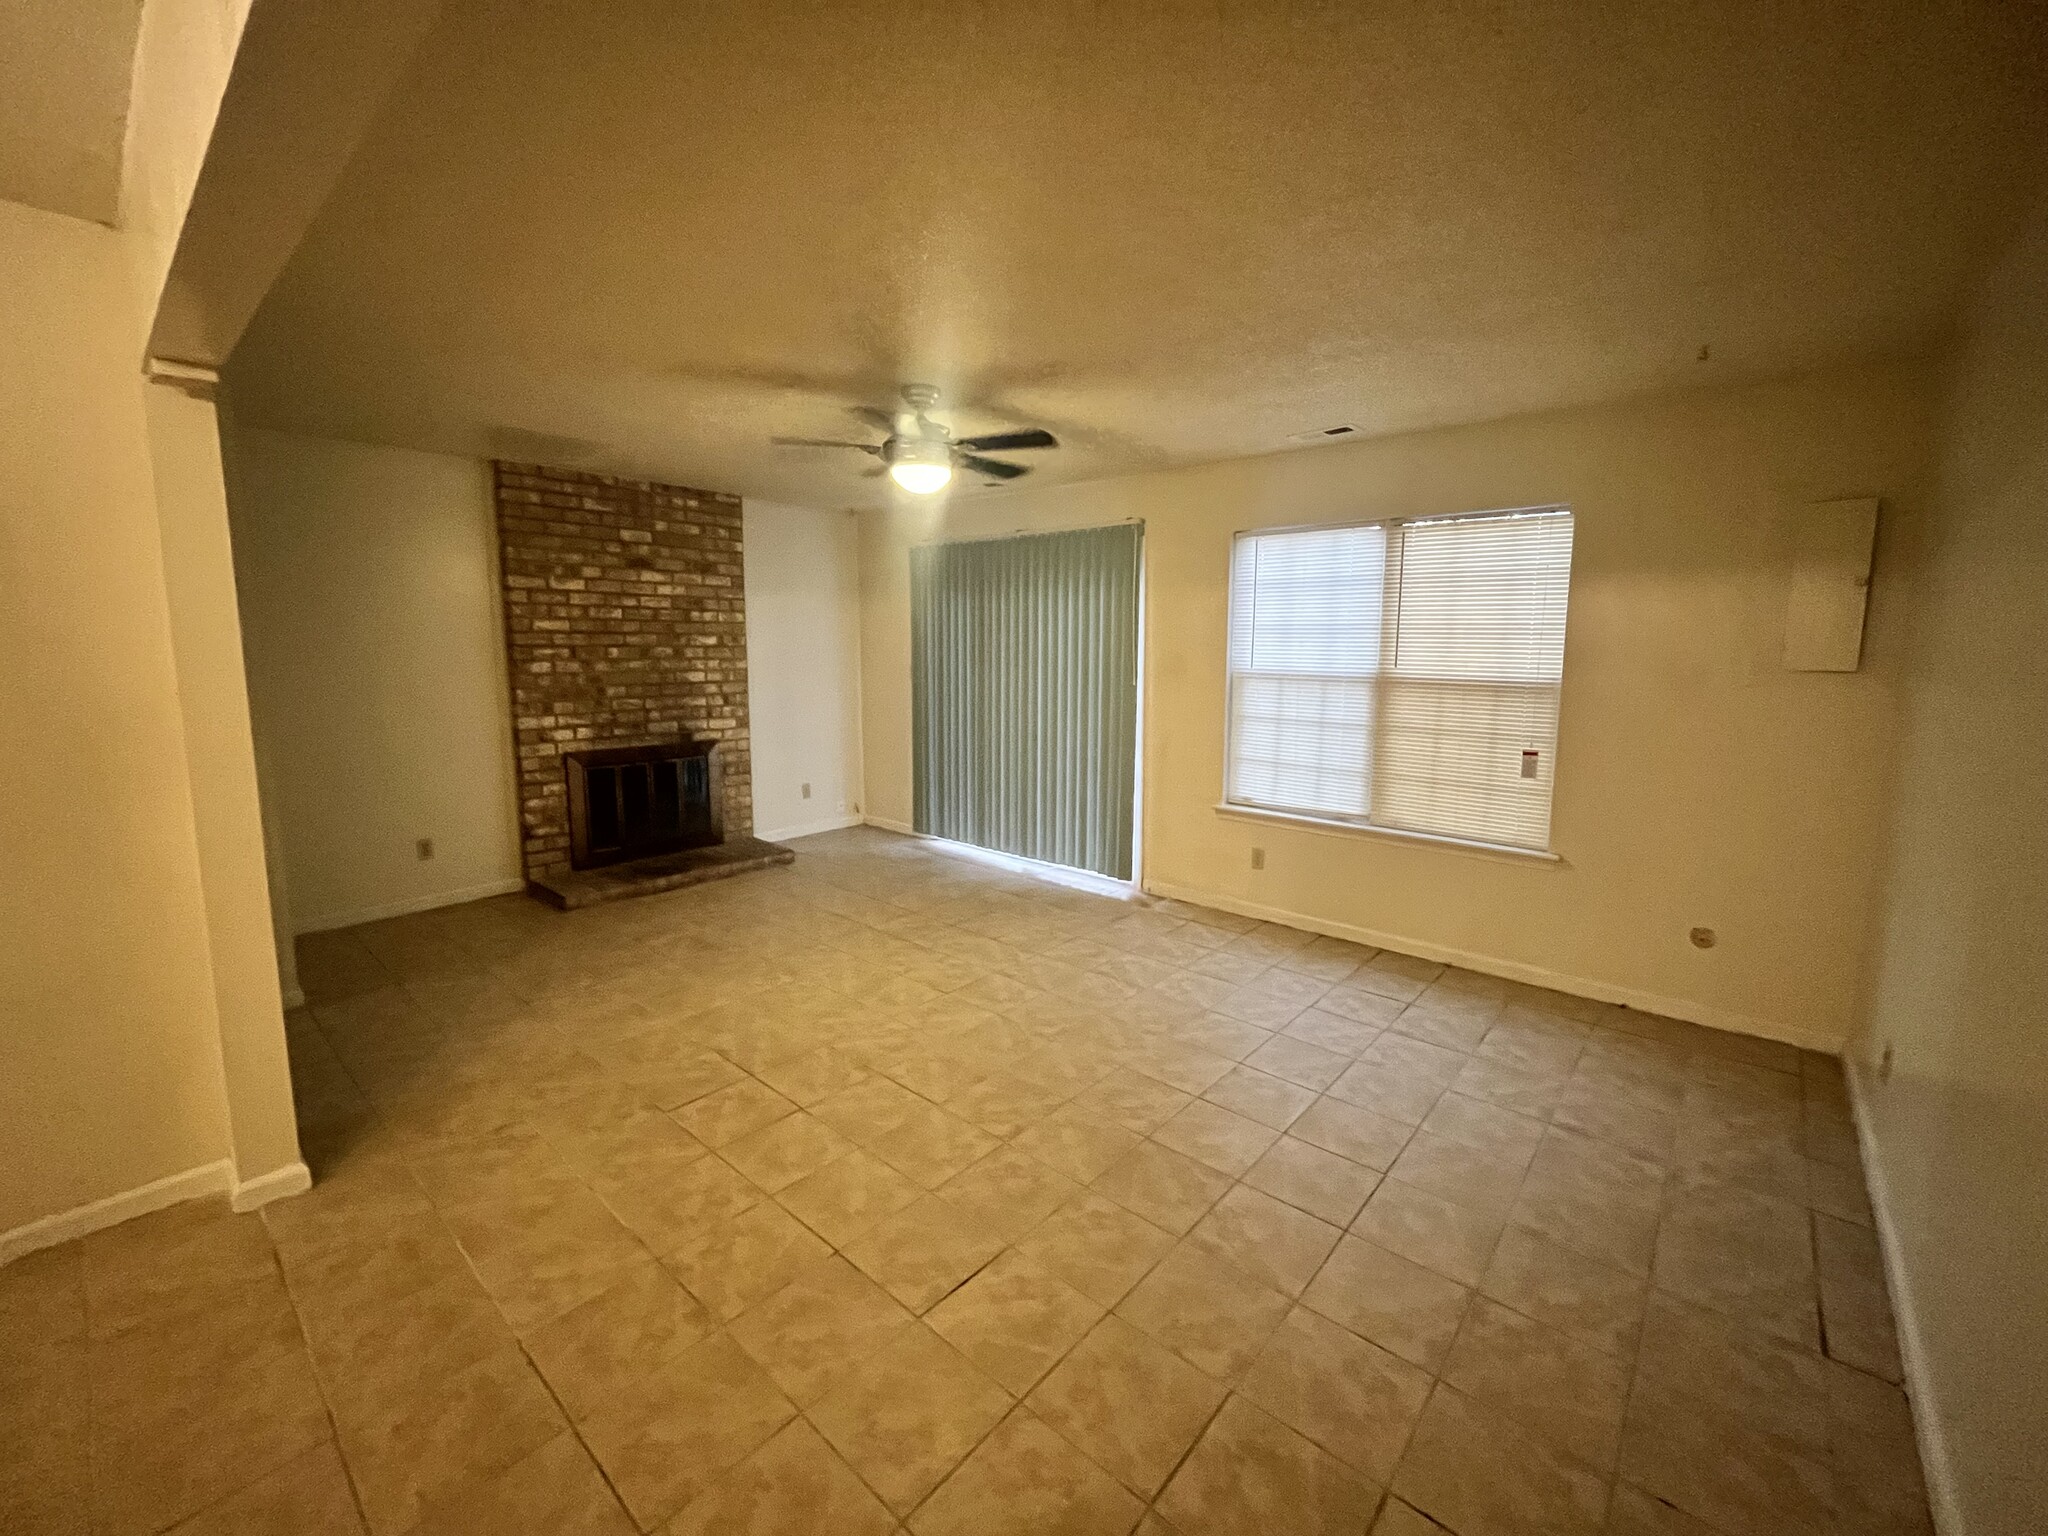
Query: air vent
1322, 435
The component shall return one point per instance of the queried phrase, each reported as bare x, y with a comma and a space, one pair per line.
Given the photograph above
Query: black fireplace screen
636, 802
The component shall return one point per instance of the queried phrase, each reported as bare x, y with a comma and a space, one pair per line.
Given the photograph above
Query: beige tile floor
892, 1191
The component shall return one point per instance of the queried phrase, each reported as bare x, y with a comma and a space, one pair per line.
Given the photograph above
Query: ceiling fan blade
1034, 437
880, 420
993, 467
822, 442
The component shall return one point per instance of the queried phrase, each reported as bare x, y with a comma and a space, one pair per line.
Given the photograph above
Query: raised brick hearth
625, 624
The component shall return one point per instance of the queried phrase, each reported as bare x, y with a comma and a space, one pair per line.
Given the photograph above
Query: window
1402, 674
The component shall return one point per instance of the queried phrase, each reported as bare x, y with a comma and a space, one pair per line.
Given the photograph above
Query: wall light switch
424, 848
807, 791
1258, 858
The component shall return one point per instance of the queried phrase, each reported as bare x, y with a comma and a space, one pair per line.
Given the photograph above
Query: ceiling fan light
920, 478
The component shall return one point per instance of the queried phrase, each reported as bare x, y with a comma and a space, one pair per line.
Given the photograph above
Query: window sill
1355, 829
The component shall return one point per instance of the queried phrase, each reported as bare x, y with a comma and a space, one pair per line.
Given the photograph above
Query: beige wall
803, 666
1960, 989
213, 700
141, 1039
1698, 784
184, 53
369, 589
369, 592
110, 1058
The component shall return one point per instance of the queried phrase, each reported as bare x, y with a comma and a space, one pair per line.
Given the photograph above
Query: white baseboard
809, 828
251, 1194
48, 1231
501, 887
891, 826
1513, 970
193, 1184
1935, 1465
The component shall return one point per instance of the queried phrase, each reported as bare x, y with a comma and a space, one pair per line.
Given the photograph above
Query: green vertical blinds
1024, 683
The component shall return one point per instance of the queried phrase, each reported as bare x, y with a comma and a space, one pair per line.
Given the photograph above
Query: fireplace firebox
637, 802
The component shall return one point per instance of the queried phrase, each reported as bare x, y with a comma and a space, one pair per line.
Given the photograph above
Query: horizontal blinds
1450, 760
1483, 597
1473, 685
1404, 675
1302, 743
1307, 610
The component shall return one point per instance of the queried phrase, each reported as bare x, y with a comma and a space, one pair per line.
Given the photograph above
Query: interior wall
184, 52
213, 700
110, 1057
142, 1050
1698, 784
370, 606
1958, 1134
803, 667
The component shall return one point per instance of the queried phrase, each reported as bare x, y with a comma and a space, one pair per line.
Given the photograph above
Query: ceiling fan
919, 454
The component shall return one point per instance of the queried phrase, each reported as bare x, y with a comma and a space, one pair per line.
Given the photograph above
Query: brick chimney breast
625, 625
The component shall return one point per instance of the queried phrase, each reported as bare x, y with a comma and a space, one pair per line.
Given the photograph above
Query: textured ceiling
644, 236
65, 67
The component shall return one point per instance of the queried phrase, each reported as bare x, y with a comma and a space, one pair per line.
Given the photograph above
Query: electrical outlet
807, 791
1258, 858
424, 848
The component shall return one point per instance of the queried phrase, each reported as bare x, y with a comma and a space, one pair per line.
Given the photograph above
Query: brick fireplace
625, 627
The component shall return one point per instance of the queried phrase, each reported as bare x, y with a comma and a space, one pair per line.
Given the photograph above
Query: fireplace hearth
647, 819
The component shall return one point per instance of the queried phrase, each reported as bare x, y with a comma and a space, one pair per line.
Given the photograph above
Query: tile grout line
1166, 1482
1018, 1400
348, 1471
575, 1429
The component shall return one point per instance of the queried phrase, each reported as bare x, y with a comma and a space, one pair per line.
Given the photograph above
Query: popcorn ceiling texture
1216, 225
625, 625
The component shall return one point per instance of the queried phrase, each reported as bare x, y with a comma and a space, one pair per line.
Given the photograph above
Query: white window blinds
1402, 674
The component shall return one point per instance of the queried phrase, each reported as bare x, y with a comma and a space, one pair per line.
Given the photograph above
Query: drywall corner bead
198, 380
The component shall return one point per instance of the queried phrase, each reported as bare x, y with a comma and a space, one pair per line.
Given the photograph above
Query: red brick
630, 624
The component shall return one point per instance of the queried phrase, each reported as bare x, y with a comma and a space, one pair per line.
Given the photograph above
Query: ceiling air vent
1322, 435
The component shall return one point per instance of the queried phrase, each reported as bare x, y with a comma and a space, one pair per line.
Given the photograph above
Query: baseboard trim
1936, 1467
892, 826
809, 829
455, 898
253, 1194
48, 1231
1512, 970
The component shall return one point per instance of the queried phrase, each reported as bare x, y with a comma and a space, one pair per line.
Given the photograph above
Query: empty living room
1238, 769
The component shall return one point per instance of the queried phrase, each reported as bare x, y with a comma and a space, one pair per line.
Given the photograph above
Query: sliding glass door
1024, 683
